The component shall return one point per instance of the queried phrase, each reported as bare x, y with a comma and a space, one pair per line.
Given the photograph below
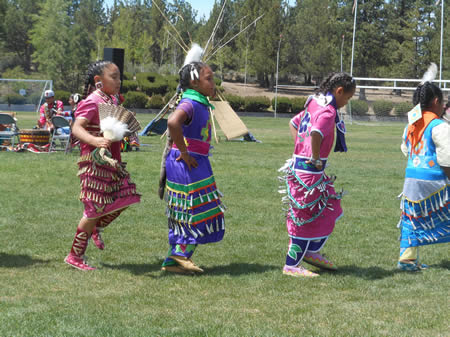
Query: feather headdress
430, 74
194, 54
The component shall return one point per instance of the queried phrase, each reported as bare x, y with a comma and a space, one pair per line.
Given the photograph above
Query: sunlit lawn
243, 291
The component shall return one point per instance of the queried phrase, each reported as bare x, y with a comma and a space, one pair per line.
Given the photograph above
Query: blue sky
203, 7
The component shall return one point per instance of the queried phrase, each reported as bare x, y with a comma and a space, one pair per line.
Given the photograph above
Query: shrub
127, 75
256, 103
402, 109
159, 87
172, 82
146, 87
34, 98
15, 99
151, 88
63, 96
135, 99
236, 102
218, 81
168, 96
284, 104
358, 107
298, 104
128, 85
147, 77
156, 84
155, 102
382, 107
173, 78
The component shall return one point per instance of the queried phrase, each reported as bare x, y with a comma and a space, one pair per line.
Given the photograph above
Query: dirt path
241, 89
254, 90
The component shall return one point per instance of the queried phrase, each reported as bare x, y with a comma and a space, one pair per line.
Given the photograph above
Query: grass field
243, 291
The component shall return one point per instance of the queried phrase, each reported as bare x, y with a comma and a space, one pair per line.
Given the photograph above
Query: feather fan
116, 121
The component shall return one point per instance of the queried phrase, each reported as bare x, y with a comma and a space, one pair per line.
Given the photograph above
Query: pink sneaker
318, 260
299, 271
77, 262
97, 238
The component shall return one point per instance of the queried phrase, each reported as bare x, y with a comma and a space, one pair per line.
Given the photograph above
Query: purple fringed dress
194, 209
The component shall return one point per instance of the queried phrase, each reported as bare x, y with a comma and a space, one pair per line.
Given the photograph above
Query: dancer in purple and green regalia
194, 208
425, 218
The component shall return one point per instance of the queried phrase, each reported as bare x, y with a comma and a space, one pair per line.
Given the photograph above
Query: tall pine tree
51, 39
18, 23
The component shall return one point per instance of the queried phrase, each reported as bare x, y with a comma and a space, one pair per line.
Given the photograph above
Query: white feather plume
194, 54
113, 129
430, 74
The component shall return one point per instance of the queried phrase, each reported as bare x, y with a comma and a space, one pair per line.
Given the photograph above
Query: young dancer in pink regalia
106, 189
313, 204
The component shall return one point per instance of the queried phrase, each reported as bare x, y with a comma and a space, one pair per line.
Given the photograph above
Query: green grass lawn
243, 291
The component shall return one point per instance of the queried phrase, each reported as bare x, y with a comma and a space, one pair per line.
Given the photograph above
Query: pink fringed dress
104, 189
313, 205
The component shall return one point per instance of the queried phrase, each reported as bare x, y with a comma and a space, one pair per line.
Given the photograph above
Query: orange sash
416, 130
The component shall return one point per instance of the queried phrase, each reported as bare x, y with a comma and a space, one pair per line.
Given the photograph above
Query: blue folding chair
61, 132
9, 135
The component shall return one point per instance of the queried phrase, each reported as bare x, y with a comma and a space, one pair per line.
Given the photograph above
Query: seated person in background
6, 127
74, 99
50, 108
446, 115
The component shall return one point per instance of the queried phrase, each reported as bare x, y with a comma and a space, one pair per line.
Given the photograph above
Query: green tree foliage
3, 9
221, 46
401, 34
313, 39
264, 47
85, 17
371, 45
128, 31
58, 38
17, 25
50, 37
157, 27
446, 51
182, 17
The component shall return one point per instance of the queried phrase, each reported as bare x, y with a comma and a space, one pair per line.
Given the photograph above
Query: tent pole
214, 126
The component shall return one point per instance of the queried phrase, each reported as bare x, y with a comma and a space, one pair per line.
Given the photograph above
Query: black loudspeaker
116, 56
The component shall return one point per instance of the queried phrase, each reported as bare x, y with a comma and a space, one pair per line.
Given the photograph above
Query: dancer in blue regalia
425, 217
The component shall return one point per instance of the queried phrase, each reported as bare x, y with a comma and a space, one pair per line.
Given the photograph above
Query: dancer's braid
185, 73
179, 95
86, 88
425, 93
335, 80
94, 69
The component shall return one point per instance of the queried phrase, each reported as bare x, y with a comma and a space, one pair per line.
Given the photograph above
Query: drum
34, 136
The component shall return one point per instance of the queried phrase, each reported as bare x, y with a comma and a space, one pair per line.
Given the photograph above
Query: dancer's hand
190, 161
316, 162
102, 142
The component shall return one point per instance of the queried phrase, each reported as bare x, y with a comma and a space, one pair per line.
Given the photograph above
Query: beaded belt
196, 146
301, 165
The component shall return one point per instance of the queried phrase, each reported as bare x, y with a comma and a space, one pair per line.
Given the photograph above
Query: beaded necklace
105, 97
